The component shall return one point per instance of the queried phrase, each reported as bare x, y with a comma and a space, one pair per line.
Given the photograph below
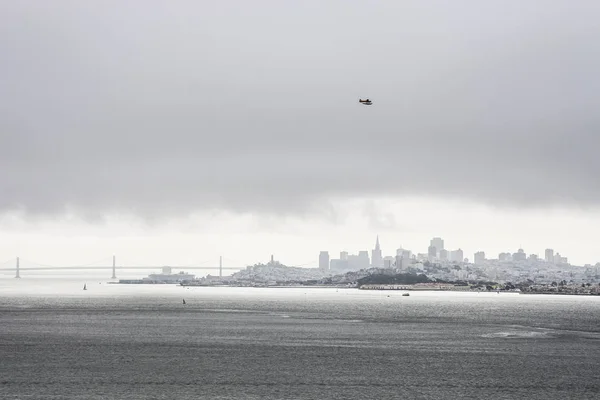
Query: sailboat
84, 287
183, 301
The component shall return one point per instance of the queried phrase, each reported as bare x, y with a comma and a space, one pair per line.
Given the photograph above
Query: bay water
115, 341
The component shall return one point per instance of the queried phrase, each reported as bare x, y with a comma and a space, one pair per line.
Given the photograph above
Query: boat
84, 286
183, 301
405, 294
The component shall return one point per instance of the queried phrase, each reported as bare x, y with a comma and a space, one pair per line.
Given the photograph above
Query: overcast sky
163, 118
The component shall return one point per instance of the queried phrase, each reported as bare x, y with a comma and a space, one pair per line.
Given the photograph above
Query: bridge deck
116, 268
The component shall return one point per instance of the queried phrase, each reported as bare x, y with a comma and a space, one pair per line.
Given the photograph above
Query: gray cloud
172, 107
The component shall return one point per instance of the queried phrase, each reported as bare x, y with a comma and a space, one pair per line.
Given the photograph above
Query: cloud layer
172, 107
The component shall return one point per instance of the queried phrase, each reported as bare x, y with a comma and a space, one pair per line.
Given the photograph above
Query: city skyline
148, 244
480, 257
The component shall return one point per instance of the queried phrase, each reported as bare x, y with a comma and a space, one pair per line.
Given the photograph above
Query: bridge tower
18, 275
220, 266
114, 275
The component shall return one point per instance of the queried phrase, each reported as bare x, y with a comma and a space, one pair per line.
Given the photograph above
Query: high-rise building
443, 254
360, 261
432, 252
519, 255
558, 259
457, 256
376, 258
403, 259
344, 255
364, 258
479, 258
324, 261
337, 266
549, 255
388, 262
438, 243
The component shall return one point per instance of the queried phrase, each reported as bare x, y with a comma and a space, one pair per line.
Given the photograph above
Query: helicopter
366, 102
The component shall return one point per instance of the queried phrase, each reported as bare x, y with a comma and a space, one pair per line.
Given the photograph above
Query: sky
178, 131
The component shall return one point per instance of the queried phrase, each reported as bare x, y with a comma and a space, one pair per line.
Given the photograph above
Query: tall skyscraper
519, 255
457, 256
443, 253
344, 255
388, 262
403, 259
360, 261
479, 258
438, 243
549, 255
363, 259
376, 258
324, 261
432, 252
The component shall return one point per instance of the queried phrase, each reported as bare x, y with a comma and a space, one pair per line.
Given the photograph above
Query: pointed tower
376, 257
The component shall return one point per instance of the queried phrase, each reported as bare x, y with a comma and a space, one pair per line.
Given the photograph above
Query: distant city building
438, 243
432, 252
167, 277
519, 255
388, 262
558, 259
344, 255
324, 261
338, 266
479, 258
457, 256
407, 260
354, 263
360, 261
376, 258
504, 257
549, 255
398, 261
404, 258
364, 257
443, 253
422, 257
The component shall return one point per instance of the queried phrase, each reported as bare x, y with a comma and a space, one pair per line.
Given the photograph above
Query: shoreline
358, 288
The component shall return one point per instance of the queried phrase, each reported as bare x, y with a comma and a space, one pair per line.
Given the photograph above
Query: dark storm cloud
157, 107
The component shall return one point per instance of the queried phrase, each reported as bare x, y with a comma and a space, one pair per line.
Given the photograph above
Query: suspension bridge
19, 266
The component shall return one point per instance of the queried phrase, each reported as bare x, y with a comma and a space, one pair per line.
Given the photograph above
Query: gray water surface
140, 342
